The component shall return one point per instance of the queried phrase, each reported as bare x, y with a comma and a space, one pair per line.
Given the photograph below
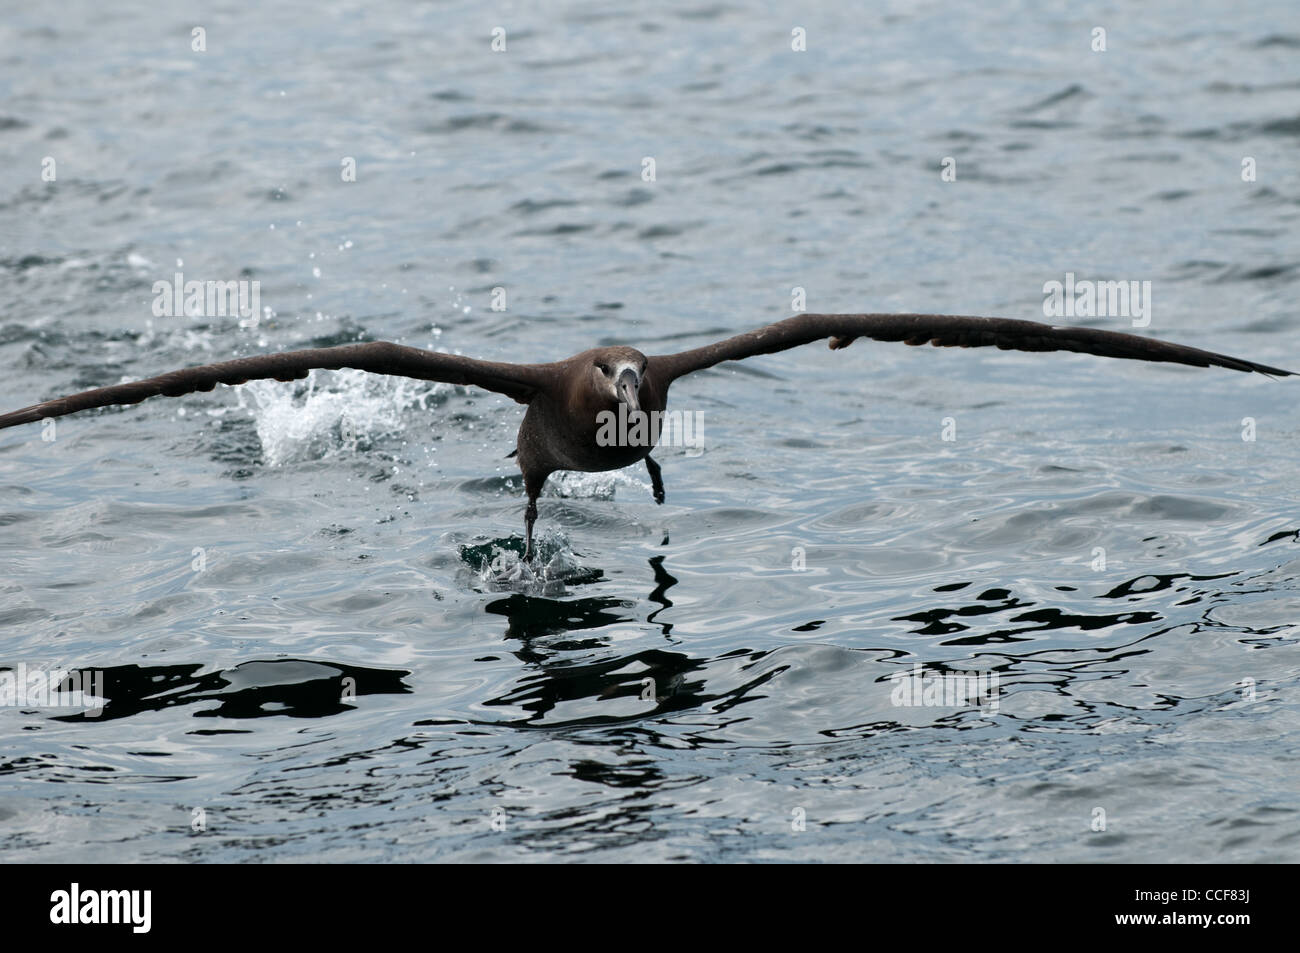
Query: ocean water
304, 600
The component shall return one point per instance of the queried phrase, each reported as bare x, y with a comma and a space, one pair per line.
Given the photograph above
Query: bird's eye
604, 369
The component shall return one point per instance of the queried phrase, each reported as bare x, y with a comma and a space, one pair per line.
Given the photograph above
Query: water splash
571, 484
331, 412
498, 566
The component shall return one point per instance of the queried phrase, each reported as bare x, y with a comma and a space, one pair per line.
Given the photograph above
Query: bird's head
617, 372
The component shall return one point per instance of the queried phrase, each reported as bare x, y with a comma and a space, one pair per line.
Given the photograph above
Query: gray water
239, 565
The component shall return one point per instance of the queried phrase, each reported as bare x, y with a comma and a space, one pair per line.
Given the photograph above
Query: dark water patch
1289, 41
1159, 158
1280, 127
491, 121
1291, 534
1246, 89
1145, 585
1236, 273
632, 198
1042, 125
533, 206
559, 230
667, 230
1074, 93
791, 167
294, 688
27, 262
536, 617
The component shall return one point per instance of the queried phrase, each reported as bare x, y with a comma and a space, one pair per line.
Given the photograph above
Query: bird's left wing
942, 330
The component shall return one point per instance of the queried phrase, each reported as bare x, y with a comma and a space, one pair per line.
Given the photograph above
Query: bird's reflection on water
569, 678
572, 672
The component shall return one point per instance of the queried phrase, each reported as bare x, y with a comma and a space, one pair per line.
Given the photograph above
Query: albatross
568, 400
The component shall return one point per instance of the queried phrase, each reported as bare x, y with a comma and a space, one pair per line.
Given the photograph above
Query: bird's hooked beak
628, 388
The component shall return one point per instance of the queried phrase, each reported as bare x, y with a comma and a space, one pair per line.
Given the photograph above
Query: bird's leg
533, 483
656, 479
530, 517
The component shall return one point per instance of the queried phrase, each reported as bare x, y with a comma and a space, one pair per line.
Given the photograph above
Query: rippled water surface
305, 599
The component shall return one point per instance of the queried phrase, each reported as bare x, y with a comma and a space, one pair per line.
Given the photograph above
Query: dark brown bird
562, 428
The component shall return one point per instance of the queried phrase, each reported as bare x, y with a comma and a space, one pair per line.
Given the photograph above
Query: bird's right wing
518, 381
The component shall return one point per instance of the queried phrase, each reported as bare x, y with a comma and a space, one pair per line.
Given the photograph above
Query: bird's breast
592, 436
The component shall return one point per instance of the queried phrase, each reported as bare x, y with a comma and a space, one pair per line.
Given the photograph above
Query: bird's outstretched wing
941, 330
519, 381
